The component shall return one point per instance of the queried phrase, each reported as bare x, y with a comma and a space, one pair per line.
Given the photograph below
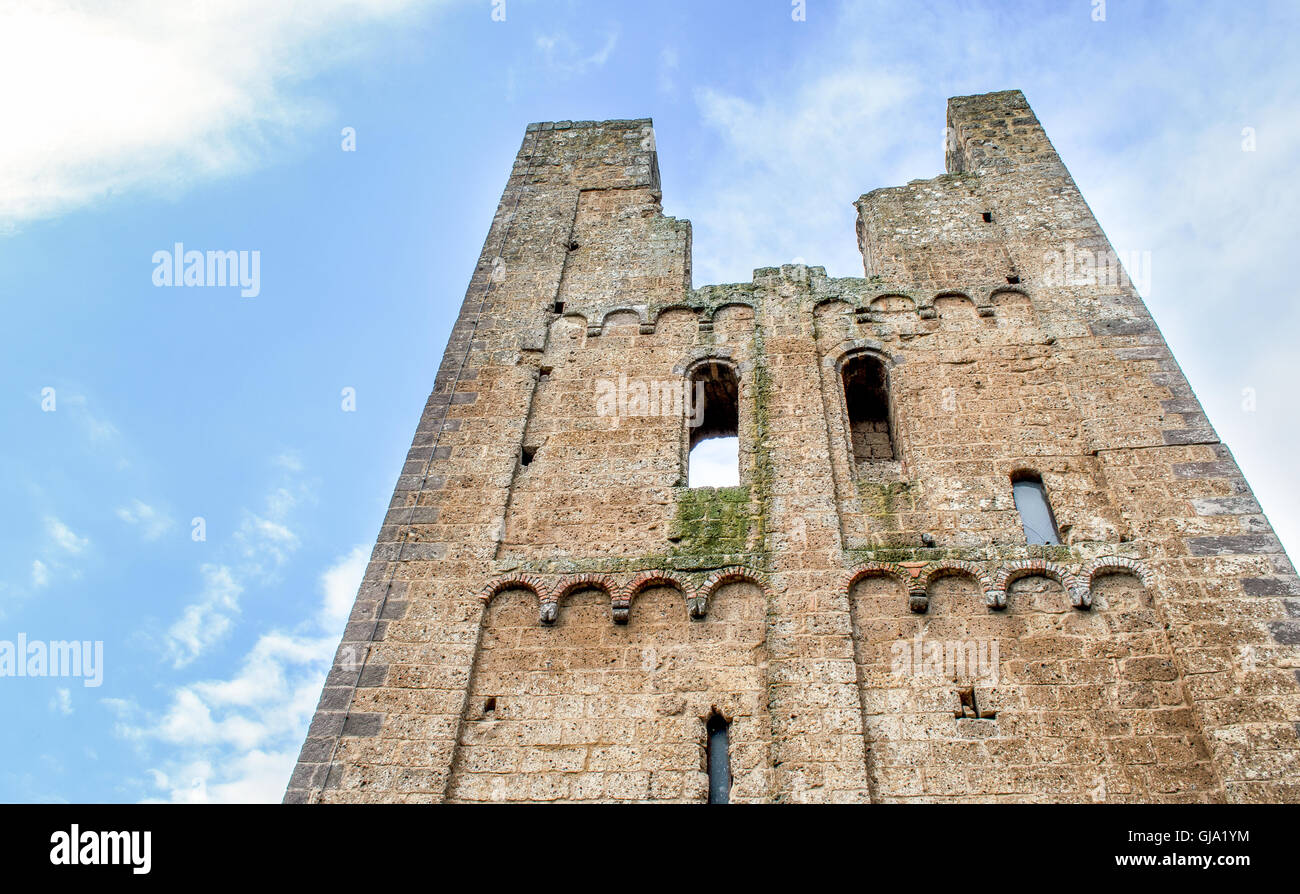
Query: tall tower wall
552, 613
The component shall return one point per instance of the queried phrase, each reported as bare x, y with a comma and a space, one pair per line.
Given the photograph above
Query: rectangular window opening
714, 427
866, 395
1036, 516
718, 759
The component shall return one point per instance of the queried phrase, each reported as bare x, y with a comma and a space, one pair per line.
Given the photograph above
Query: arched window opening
718, 759
1035, 511
714, 426
866, 394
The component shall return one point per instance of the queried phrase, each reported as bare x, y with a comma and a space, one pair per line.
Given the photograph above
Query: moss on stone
885, 499
712, 520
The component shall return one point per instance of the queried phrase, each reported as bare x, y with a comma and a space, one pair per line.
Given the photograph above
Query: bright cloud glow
154, 93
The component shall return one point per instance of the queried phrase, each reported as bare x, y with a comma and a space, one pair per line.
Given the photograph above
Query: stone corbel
548, 611
621, 606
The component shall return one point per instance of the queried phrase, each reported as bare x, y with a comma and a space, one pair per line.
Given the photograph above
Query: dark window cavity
714, 427
718, 759
866, 394
1035, 511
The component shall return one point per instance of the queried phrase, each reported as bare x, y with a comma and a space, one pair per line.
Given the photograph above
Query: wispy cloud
152, 523
265, 539
235, 739
668, 64
561, 53
792, 161
155, 94
99, 431
40, 574
61, 703
64, 537
259, 548
206, 620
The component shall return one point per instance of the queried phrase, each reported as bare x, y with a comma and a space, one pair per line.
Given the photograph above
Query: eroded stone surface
551, 614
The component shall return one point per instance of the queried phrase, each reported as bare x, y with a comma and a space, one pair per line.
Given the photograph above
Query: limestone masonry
985, 545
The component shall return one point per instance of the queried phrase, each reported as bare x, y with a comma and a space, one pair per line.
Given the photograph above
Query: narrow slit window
718, 759
866, 394
714, 426
1035, 511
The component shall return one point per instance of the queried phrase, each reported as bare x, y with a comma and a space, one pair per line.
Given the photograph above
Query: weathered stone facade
551, 614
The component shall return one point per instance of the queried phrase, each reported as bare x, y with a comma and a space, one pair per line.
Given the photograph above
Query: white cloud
206, 621
290, 461
340, 583
266, 542
62, 701
153, 524
715, 463
155, 93
668, 64
791, 163
562, 54
236, 739
262, 544
64, 537
40, 574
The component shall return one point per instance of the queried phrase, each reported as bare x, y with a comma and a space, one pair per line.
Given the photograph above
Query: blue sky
218, 124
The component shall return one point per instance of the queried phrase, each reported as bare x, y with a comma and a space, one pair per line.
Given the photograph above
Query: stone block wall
551, 613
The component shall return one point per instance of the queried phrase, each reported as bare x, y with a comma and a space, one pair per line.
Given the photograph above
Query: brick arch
917, 600
876, 569
720, 578
957, 568
1013, 571
648, 579
546, 597
1112, 565
531, 582
572, 583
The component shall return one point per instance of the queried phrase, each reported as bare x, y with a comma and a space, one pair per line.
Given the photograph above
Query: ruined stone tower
985, 545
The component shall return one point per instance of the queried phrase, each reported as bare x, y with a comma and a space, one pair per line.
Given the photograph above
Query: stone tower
985, 544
